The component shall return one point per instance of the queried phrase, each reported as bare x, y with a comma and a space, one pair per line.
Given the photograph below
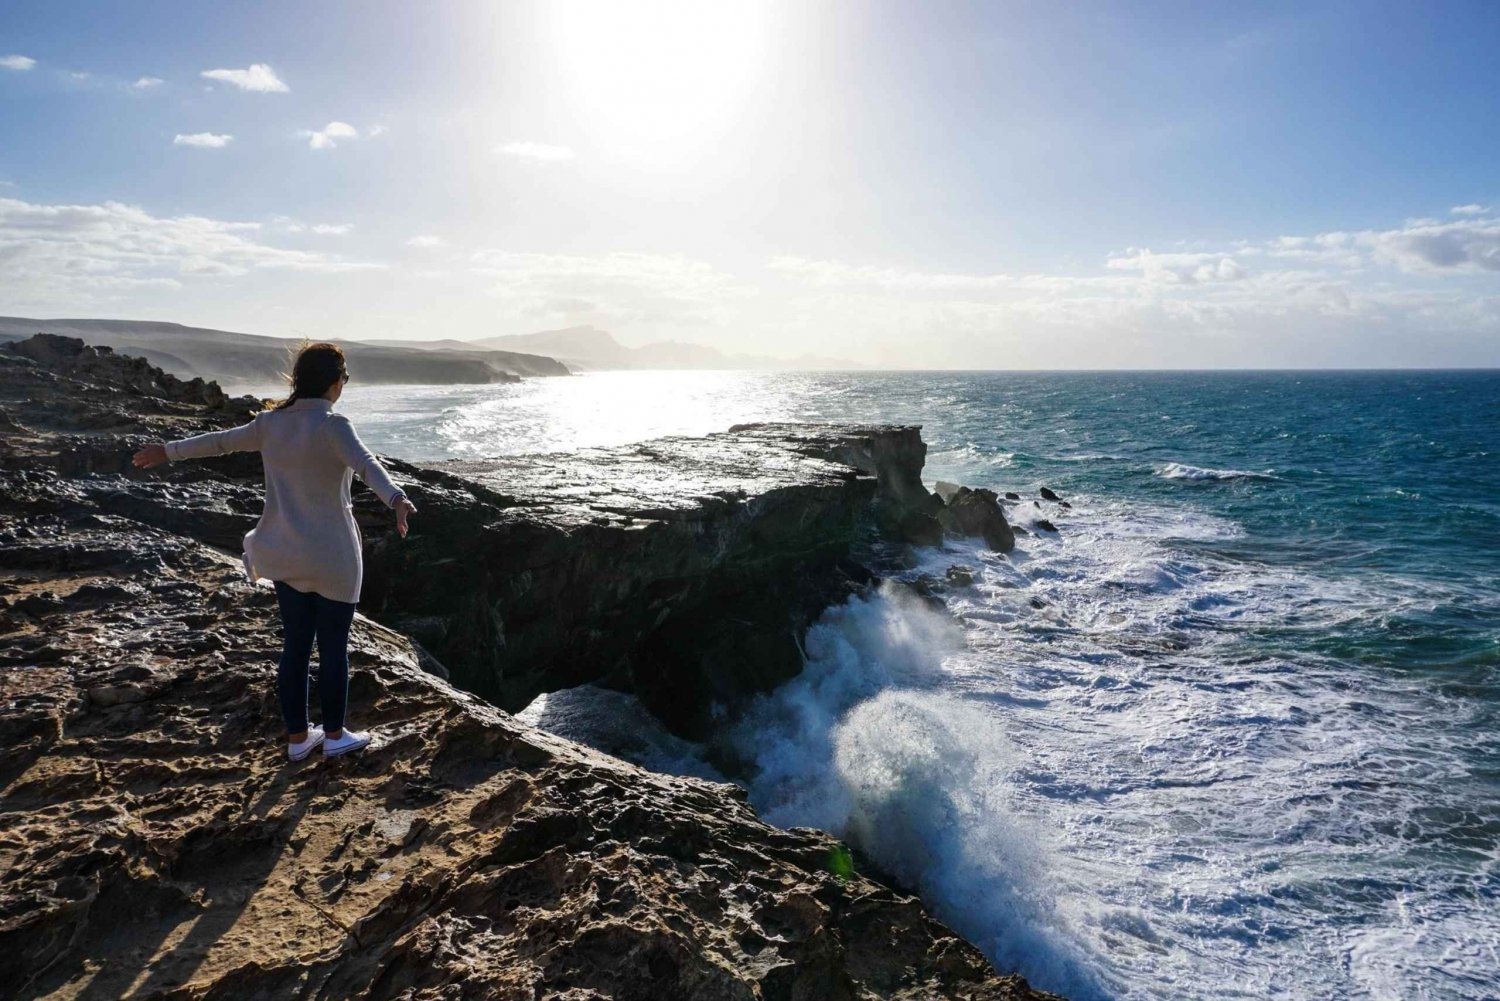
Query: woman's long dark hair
315, 368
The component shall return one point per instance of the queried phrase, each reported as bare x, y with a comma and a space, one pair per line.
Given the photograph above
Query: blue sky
934, 184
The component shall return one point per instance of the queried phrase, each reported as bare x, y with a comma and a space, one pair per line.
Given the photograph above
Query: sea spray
864, 745
1182, 471
1256, 721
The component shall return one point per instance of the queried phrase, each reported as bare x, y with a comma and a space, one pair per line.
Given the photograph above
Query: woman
306, 541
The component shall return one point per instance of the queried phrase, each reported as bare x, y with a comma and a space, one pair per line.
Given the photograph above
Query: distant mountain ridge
239, 359
589, 348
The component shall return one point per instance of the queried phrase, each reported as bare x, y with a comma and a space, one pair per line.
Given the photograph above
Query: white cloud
376, 131
203, 140
324, 138
1411, 294
1179, 269
331, 229
535, 151
59, 253
1470, 209
18, 63
257, 77
425, 241
80, 75
1469, 244
147, 83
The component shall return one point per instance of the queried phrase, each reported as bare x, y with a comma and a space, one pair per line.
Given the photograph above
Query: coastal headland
155, 843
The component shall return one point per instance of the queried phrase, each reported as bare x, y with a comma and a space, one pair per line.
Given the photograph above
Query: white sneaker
350, 741
299, 751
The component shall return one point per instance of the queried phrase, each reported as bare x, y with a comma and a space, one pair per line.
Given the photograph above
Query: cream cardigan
306, 536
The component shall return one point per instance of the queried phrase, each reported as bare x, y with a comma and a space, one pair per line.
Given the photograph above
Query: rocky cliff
154, 842
683, 569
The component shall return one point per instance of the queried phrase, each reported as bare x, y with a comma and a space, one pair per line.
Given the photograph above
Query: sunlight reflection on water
560, 414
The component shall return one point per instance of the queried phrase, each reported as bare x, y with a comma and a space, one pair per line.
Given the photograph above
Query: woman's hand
150, 455
403, 508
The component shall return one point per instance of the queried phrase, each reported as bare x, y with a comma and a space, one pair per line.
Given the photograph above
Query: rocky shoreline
154, 843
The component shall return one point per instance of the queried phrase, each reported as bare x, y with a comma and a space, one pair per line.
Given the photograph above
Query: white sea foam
1094, 782
617, 723
1182, 471
1128, 762
866, 744
1082, 769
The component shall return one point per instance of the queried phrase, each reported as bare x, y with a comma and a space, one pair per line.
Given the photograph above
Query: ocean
1232, 732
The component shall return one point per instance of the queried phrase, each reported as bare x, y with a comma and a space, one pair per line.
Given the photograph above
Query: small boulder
960, 576
1047, 494
977, 513
1012, 495
946, 490
1044, 525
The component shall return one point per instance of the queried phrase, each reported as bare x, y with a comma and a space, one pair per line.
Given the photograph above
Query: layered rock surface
155, 843
683, 569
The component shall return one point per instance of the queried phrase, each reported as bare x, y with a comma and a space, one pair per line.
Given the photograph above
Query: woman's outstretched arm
358, 457
245, 438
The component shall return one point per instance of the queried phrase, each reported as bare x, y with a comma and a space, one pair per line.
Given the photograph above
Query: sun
658, 82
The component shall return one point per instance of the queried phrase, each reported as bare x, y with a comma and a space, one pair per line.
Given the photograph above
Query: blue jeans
305, 616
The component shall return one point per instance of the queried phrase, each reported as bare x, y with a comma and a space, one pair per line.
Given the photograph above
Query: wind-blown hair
315, 368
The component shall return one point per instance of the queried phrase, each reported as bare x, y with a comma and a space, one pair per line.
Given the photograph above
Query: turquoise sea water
1234, 731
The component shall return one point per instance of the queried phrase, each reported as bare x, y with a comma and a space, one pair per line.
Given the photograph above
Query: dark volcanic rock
1049, 495
978, 513
1044, 525
683, 569
1011, 495
960, 576
156, 844
70, 357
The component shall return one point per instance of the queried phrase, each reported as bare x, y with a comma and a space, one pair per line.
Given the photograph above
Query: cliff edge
155, 843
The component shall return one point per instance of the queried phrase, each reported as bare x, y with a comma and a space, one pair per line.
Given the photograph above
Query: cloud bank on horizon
963, 189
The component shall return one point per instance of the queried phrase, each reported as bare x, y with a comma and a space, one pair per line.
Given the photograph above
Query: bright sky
926, 184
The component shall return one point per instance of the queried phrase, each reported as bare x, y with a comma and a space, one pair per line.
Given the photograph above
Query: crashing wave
1182, 471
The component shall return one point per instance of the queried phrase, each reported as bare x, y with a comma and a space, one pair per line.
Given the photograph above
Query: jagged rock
1011, 495
158, 844
72, 357
1044, 525
977, 513
1049, 495
685, 570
